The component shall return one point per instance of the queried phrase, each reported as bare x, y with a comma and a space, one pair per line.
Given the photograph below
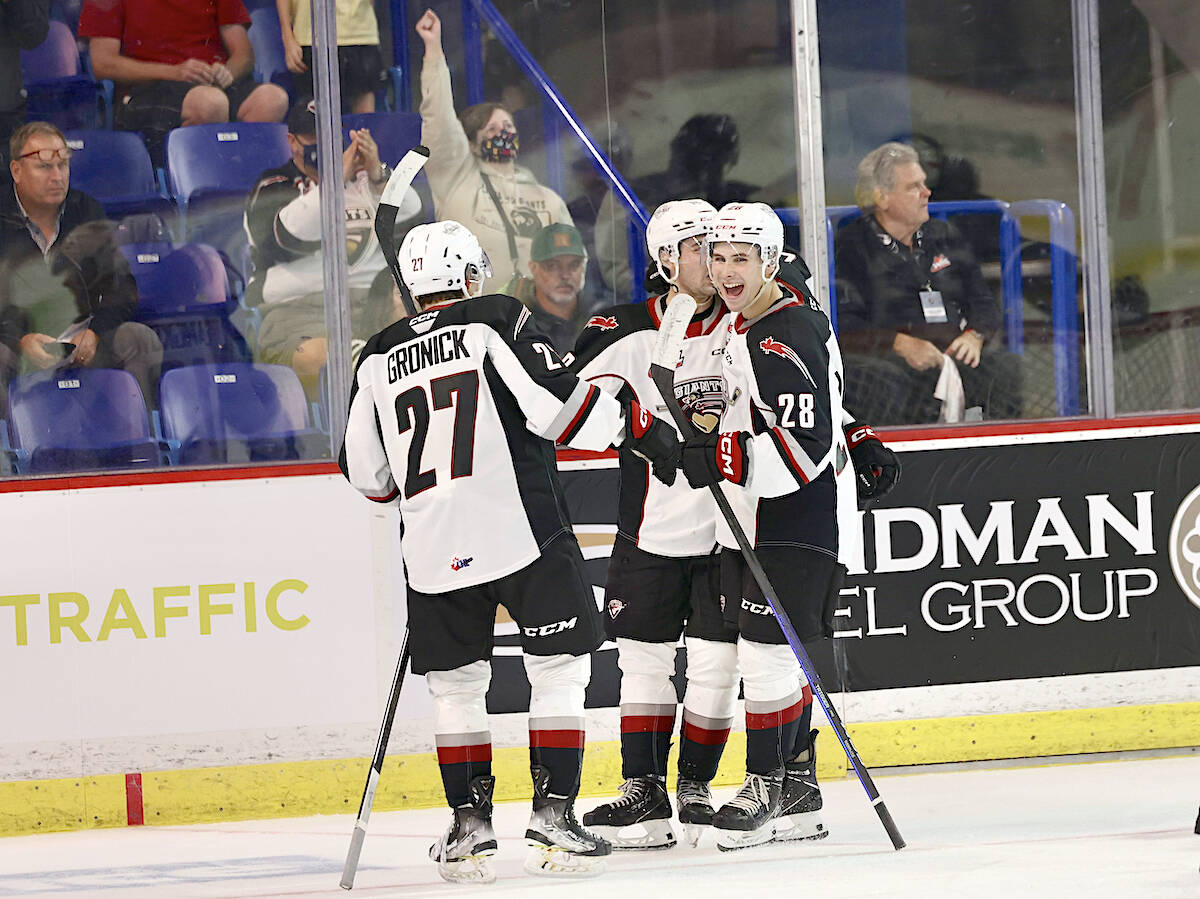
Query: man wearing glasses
61, 271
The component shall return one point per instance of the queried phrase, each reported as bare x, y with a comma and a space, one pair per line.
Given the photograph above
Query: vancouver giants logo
459, 564
615, 608
1183, 548
603, 322
771, 345
703, 400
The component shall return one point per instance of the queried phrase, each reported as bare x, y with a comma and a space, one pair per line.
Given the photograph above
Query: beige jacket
455, 177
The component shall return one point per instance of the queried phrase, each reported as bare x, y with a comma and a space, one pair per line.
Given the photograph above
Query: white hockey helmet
442, 256
753, 223
674, 222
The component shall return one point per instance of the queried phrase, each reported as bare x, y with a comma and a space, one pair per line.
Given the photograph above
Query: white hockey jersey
454, 414
613, 351
784, 381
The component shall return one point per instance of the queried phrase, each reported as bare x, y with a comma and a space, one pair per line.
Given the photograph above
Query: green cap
556, 240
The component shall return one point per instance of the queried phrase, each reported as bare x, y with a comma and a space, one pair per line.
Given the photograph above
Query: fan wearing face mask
473, 171
283, 221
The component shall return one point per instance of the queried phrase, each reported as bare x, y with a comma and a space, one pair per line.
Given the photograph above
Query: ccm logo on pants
755, 608
548, 630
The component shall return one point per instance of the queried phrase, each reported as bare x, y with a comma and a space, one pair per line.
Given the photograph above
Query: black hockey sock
460, 765
701, 744
800, 746
561, 753
771, 734
646, 741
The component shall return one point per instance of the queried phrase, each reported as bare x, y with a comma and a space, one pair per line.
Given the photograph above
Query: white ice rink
1120, 829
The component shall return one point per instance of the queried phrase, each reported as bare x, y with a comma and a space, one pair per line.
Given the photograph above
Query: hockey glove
876, 468
653, 440
707, 458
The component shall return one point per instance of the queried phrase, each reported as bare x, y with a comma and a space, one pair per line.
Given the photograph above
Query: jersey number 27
460, 391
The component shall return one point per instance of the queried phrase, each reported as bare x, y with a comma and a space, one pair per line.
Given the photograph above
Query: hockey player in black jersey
777, 455
453, 417
663, 577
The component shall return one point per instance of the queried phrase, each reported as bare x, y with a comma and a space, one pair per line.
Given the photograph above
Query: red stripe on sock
704, 736
456, 755
771, 720
556, 739
134, 813
640, 724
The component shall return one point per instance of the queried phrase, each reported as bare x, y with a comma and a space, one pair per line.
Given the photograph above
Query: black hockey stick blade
389, 207
664, 360
368, 797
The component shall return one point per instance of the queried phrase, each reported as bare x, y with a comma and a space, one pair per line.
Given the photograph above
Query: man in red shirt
177, 62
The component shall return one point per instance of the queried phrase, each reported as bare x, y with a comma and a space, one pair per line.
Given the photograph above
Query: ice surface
1113, 828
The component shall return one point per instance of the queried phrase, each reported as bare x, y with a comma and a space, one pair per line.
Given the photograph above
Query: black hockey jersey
454, 414
783, 382
613, 351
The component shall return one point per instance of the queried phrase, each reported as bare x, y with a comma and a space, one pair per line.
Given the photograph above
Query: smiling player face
736, 270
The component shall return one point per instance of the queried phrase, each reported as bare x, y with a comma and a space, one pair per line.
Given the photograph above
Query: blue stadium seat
75, 419
237, 412
395, 132
270, 63
188, 279
223, 159
211, 170
183, 294
56, 89
115, 168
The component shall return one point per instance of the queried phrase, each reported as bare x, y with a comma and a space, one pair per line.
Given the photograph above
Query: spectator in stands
283, 219
360, 65
23, 26
554, 293
703, 151
61, 271
919, 328
593, 186
473, 171
177, 64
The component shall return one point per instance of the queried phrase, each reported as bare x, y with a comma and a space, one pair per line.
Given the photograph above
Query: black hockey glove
876, 468
653, 440
707, 458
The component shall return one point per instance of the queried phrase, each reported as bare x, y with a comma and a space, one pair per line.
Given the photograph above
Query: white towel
949, 390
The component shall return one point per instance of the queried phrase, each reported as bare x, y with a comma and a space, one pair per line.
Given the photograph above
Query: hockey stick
368, 797
667, 348
385, 223
389, 207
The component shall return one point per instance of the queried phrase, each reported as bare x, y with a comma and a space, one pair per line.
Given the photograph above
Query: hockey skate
640, 819
462, 854
748, 819
558, 845
695, 809
800, 809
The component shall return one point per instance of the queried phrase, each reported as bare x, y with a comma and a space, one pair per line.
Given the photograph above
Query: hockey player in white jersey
663, 577
776, 454
453, 416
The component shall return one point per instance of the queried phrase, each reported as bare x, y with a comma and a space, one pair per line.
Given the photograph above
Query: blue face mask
310, 156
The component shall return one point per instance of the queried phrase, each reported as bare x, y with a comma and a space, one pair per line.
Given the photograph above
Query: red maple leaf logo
603, 322
771, 345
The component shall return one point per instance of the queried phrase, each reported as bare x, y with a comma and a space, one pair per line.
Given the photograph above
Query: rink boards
181, 647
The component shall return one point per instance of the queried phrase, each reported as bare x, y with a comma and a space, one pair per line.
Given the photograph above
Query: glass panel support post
333, 216
1093, 208
810, 165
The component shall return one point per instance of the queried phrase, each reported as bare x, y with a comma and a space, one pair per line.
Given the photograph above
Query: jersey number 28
796, 410
460, 391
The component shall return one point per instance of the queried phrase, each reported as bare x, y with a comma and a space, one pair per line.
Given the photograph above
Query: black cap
302, 117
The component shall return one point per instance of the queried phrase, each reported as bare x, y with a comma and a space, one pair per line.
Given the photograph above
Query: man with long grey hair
919, 327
